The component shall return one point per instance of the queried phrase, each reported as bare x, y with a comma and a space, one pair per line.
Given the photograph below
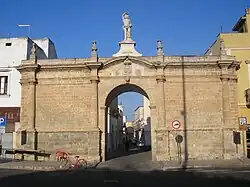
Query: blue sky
184, 26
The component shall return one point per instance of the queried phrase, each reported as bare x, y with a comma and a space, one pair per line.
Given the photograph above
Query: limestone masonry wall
64, 101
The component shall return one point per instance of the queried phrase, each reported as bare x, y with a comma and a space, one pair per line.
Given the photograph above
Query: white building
112, 121
114, 126
138, 124
142, 125
12, 52
121, 111
147, 121
124, 119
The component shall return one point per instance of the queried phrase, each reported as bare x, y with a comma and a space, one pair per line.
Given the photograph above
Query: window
247, 95
3, 85
10, 116
8, 44
23, 137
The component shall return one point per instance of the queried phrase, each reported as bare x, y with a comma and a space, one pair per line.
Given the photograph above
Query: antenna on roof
27, 25
221, 29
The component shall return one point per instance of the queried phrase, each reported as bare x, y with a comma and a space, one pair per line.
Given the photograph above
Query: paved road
222, 173
112, 173
133, 161
198, 177
10, 172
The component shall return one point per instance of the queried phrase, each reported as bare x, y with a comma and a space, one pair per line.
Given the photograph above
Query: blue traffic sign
3, 121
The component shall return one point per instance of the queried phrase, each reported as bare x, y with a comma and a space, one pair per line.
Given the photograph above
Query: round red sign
176, 124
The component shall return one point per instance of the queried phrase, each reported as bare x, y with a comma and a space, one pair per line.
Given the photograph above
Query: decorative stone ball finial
94, 49
222, 48
33, 51
160, 51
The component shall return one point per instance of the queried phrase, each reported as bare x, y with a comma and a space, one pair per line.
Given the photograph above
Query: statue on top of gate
126, 26
127, 45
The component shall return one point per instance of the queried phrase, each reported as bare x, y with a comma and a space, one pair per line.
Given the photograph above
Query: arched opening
127, 126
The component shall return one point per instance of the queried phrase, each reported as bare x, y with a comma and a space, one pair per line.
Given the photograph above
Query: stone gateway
64, 102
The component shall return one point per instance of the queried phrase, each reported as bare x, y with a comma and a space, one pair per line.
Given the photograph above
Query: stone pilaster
225, 99
161, 134
103, 128
94, 79
161, 101
229, 110
32, 106
28, 117
153, 119
94, 131
225, 105
94, 103
29, 69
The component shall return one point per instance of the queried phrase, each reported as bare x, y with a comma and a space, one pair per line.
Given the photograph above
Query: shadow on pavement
117, 178
131, 151
6, 160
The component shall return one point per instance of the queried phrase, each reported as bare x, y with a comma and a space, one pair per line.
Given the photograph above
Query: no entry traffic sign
176, 124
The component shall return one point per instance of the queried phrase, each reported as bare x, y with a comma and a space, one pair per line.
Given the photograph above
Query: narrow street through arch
127, 134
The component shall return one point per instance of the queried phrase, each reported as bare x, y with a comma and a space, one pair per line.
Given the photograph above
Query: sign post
243, 123
243, 127
3, 121
176, 124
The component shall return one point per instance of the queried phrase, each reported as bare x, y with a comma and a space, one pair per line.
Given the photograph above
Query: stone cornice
76, 130
228, 64
64, 67
160, 78
94, 80
153, 77
190, 65
227, 77
94, 65
147, 59
247, 61
28, 67
150, 62
28, 81
137, 60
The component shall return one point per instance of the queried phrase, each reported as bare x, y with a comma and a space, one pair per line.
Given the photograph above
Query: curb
35, 168
41, 168
205, 167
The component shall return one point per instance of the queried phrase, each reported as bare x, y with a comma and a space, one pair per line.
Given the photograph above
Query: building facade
138, 124
147, 122
142, 124
114, 126
12, 52
198, 91
237, 43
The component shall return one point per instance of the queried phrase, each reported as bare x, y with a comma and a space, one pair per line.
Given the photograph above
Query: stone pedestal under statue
127, 46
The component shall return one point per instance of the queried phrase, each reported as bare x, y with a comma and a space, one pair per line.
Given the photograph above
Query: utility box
236, 137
